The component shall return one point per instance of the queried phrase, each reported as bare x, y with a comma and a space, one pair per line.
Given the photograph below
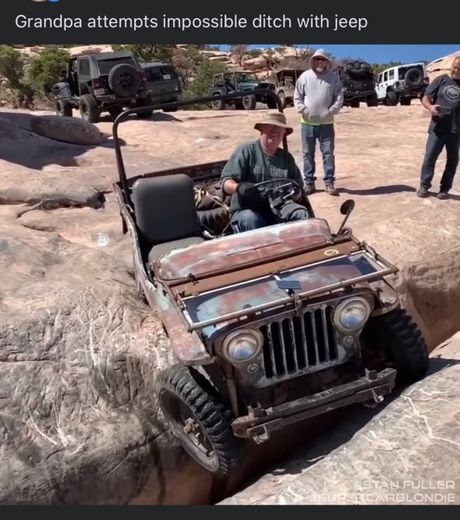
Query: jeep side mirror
346, 208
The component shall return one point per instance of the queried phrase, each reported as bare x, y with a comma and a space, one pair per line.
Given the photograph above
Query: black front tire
249, 102
399, 337
187, 403
354, 103
89, 108
391, 98
218, 104
64, 108
282, 97
372, 100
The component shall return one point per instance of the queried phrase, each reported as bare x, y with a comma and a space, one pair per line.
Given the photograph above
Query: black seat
166, 213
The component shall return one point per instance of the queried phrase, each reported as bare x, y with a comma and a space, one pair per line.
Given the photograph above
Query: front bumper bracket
259, 424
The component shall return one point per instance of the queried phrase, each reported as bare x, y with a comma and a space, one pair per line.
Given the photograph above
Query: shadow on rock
379, 190
156, 116
19, 133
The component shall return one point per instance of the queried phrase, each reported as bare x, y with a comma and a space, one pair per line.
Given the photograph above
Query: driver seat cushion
165, 210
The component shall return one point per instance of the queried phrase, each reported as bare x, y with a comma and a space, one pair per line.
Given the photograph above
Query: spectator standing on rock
319, 97
442, 100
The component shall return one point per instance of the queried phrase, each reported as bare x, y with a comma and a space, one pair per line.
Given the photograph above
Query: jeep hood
224, 279
237, 251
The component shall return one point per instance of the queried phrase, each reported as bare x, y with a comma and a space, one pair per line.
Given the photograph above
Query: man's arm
234, 171
299, 96
427, 102
338, 98
431, 92
229, 186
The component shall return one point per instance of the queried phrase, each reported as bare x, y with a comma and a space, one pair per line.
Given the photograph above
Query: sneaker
442, 195
310, 188
422, 192
331, 189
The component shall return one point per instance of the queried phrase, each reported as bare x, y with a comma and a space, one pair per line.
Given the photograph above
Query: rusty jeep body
268, 327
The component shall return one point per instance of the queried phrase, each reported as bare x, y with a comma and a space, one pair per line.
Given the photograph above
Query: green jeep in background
240, 81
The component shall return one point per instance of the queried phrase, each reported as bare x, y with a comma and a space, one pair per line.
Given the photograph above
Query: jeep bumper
259, 424
350, 95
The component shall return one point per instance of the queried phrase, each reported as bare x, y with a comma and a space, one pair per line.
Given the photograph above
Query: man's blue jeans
247, 219
435, 143
325, 134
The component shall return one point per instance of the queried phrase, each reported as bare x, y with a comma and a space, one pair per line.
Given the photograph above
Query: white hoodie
318, 97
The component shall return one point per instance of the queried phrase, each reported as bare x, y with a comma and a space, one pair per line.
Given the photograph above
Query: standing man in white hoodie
319, 97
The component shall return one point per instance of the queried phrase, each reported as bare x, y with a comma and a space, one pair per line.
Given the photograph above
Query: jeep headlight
242, 345
351, 314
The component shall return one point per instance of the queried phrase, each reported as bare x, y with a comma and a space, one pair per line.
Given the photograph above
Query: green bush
15, 90
11, 66
44, 69
203, 80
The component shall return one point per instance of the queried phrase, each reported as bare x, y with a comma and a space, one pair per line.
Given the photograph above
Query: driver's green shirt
250, 163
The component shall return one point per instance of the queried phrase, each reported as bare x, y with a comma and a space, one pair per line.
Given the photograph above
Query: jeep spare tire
413, 78
124, 80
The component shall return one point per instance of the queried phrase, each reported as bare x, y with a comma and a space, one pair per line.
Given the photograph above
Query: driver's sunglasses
320, 59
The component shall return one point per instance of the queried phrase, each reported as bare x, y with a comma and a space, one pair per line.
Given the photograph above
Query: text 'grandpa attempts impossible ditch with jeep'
223, 21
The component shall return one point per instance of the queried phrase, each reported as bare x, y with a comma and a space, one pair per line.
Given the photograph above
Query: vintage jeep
267, 327
285, 80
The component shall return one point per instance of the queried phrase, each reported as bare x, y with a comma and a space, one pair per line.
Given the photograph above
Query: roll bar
124, 116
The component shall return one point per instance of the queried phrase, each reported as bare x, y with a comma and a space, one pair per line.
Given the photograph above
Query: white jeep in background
401, 84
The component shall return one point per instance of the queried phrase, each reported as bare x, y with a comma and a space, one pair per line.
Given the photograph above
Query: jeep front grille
295, 345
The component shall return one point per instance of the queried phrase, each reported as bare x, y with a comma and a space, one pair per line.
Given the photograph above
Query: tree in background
203, 79
44, 69
239, 51
148, 52
16, 90
380, 67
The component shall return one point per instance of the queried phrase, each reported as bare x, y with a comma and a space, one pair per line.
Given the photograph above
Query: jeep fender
187, 346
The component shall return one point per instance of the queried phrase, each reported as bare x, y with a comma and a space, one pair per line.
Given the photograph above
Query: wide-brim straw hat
276, 119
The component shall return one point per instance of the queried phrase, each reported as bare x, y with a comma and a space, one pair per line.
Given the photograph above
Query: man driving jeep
259, 161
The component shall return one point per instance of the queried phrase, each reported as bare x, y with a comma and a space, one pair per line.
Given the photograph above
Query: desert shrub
44, 69
15, 90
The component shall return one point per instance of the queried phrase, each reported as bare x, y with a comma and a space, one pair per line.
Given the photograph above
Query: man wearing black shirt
442, 100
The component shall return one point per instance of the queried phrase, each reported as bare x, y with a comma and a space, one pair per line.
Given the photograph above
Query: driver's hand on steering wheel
297, 195
249, 197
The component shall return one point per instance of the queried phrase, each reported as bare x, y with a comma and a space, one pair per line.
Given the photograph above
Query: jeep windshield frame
246, 77
125, 116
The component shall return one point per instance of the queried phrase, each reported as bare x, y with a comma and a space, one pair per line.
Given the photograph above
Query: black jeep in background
358, 84
95, 83
163, 82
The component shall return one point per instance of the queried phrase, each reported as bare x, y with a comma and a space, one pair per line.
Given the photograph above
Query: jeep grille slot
295, 344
